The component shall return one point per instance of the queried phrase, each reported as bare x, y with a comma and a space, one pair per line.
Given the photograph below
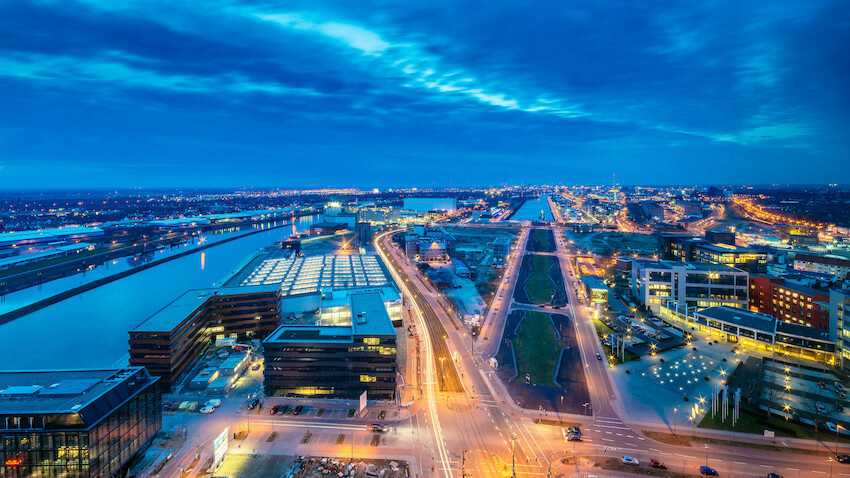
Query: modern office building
76, 423
171, 341
336, 345
754, 330
790, 302
839, 305
697, 249
428, 246
596, 289
826, 265
430, 204
692, 283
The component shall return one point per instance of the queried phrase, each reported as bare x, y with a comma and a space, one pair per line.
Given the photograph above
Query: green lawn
748, 423
541, 241
537, 349
539, 286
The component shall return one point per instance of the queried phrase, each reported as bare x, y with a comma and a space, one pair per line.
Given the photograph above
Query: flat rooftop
741, 317
298, 275
368, 317
594, 282
65, 391
167, 318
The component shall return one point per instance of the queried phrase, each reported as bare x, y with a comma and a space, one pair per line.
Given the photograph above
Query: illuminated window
367, 378
371, 341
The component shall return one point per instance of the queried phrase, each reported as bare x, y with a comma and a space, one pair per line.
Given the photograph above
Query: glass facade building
76, 423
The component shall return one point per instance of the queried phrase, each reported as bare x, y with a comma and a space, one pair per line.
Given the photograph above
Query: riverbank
28, 309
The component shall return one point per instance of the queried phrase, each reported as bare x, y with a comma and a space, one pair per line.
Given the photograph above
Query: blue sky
120, 93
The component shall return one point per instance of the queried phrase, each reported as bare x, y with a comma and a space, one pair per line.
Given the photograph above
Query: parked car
206, 410
843, 458
253, 403
598, 357
708, 471
377, 427
573, 437
256, 366
821, 408
774, 475
822, 385
657, 464
213, 402
285, 409
274, 409
298, 410
627, 460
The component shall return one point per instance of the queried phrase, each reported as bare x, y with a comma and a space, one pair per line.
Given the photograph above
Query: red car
274, 409
657, 464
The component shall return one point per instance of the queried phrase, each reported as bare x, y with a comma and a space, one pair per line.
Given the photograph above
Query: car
274, 409
253, 403
707, 471
657, 464
820, 408
838, 386
377, 427
206, 410
841, 394
598, 357
822, 385
285, 409
573, 437
298, 410
256, 366
774, 475
843, 458
213, 402
627, 460
574, 430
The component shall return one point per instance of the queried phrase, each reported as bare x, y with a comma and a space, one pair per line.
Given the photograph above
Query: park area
541, 240
611, 243
541, 281
537, 348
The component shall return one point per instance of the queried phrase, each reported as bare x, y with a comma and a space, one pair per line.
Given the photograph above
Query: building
828, 265
754, 330
501, 249
344, 347
326, 228
430, 204
44, 255
839, 305
652, 210
720, 237
76, 423
750, 260
692, 283
790, 302
428, 246
172, 340
596, 289
46, 236
362, 234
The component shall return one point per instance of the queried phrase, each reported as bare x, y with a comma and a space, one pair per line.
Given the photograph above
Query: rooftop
68, 391
310, 274
741, 317
45, 234
829, 260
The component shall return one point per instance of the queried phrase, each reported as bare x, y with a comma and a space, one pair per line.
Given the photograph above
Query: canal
90, 329
530, 211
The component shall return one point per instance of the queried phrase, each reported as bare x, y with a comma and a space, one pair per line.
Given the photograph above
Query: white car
207, 409
627, 460
213, 402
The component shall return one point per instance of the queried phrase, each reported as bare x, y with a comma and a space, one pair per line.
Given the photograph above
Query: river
530, 211
90, 329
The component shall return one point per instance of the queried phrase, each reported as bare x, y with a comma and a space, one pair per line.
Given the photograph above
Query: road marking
765, 466
619, 434
653, 449
795, 469
739, 463
819, 472
607, 439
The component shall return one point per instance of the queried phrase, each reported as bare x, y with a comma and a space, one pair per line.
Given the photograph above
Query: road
464, 420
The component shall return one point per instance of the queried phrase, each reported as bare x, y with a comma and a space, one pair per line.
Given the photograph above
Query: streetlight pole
674, 420
513, 462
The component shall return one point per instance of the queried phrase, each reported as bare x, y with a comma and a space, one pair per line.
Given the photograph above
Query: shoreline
40, 304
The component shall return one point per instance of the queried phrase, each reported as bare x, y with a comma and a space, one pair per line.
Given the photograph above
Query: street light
674, 420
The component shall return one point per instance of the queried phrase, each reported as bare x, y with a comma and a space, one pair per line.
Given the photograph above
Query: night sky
116, 93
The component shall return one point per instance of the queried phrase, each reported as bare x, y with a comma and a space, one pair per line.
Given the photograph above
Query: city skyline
132, 94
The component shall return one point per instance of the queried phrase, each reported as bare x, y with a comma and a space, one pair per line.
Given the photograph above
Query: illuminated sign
14, 461
220, 447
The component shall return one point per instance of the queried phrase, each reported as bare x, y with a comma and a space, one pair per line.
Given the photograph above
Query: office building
834, 266
790, 302
430, 204
326, 228
501, 249
596, 289
172, 340
839, 306
696, 249
362, 234
76, 423
694, 283
720, 237
754, 330
334, 345
428, 246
